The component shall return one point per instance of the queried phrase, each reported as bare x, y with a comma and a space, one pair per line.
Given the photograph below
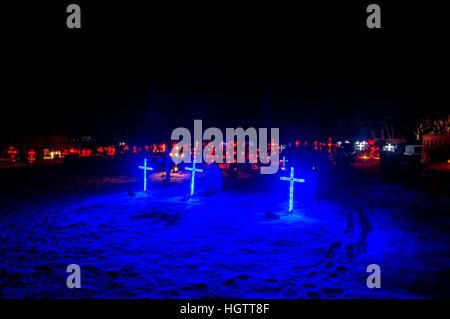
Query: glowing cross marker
291, 179
361, 145
390, 147
193, 169
284, 160
145, 168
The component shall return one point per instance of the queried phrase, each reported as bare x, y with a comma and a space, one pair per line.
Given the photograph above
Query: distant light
284, 160
31, 156
390, 148
361, 145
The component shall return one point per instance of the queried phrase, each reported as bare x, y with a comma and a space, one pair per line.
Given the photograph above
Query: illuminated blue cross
193, 169
145, 168
291, 179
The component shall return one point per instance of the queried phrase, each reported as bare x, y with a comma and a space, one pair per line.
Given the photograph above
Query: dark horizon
127, 77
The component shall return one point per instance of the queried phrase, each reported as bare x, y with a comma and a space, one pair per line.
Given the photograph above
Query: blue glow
145, 168
193, 169
161, 246
291, 179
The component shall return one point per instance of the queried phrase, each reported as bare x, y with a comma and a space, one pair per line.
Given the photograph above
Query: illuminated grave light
13, 154
193, 169
372, 148
52, 154
284, 160
291, 179
389, 147
145, 168
361, 145
31, 156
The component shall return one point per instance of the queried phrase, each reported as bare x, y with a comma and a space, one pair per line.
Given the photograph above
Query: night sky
139, 72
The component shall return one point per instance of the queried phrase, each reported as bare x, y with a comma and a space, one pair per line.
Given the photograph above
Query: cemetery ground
239, 243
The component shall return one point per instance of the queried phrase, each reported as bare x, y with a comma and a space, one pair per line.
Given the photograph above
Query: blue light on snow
291, 179
145, 168
193, 169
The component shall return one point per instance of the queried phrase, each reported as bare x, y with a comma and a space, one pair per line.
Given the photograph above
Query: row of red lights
111, 150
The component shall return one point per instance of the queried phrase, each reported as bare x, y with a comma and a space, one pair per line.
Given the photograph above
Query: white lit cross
291, 179
145, 168
361, 145
390, 147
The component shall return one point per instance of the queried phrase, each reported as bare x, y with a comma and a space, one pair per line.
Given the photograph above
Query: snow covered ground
233, 244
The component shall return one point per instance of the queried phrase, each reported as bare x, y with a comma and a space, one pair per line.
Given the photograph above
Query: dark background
139, 71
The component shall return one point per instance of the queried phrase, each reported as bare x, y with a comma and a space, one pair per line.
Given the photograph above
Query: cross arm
194, 169
146, 167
